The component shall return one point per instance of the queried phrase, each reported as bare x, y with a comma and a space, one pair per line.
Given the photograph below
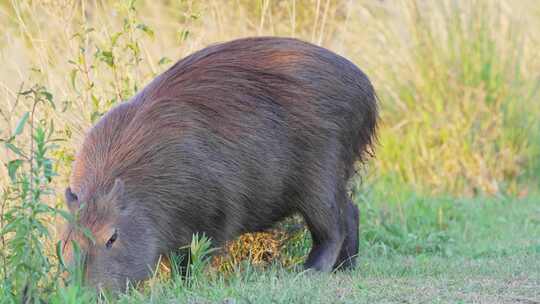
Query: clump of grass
171, 274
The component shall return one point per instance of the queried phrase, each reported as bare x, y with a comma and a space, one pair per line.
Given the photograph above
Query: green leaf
76, 269
59, 255
48, 96
114, 38
66, 105
94, 116
39, 137
107, 57
183, 35
41, 207
95, 102
11, 226
88, 234
13, 166
73, 78
51, 128
41, 229
146, 29
20, 125
66, 215
14, 149
131, 5
27, 92
164, 60
134, 47
48, 171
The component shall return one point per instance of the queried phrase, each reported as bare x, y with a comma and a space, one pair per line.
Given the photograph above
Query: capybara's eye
112, 239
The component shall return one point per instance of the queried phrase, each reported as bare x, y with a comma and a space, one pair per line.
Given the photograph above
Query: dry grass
454, 77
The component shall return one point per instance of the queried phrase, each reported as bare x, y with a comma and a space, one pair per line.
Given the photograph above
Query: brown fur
231, 139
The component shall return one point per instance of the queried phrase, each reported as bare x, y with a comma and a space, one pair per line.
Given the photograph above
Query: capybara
230, 139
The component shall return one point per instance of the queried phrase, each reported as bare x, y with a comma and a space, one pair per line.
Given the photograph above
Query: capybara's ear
117, 190
72, 200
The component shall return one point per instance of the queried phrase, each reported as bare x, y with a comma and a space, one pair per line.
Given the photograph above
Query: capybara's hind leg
349, 249
327, 236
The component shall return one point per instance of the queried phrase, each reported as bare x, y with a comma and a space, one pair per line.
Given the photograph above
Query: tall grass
458, 81
454, 77
453, 101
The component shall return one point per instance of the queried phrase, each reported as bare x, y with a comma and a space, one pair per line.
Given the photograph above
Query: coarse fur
231, 139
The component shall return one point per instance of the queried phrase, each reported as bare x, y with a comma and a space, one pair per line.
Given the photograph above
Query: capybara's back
231, 139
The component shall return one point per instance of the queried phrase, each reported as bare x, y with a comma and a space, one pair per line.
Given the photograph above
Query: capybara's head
122, 248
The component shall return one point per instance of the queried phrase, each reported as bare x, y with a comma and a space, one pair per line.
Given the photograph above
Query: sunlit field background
450, 204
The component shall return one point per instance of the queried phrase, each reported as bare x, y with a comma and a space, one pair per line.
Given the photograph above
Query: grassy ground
398, 279
489, 255
450, 205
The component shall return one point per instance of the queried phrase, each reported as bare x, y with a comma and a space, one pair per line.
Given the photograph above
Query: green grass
490, 253
398, 279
